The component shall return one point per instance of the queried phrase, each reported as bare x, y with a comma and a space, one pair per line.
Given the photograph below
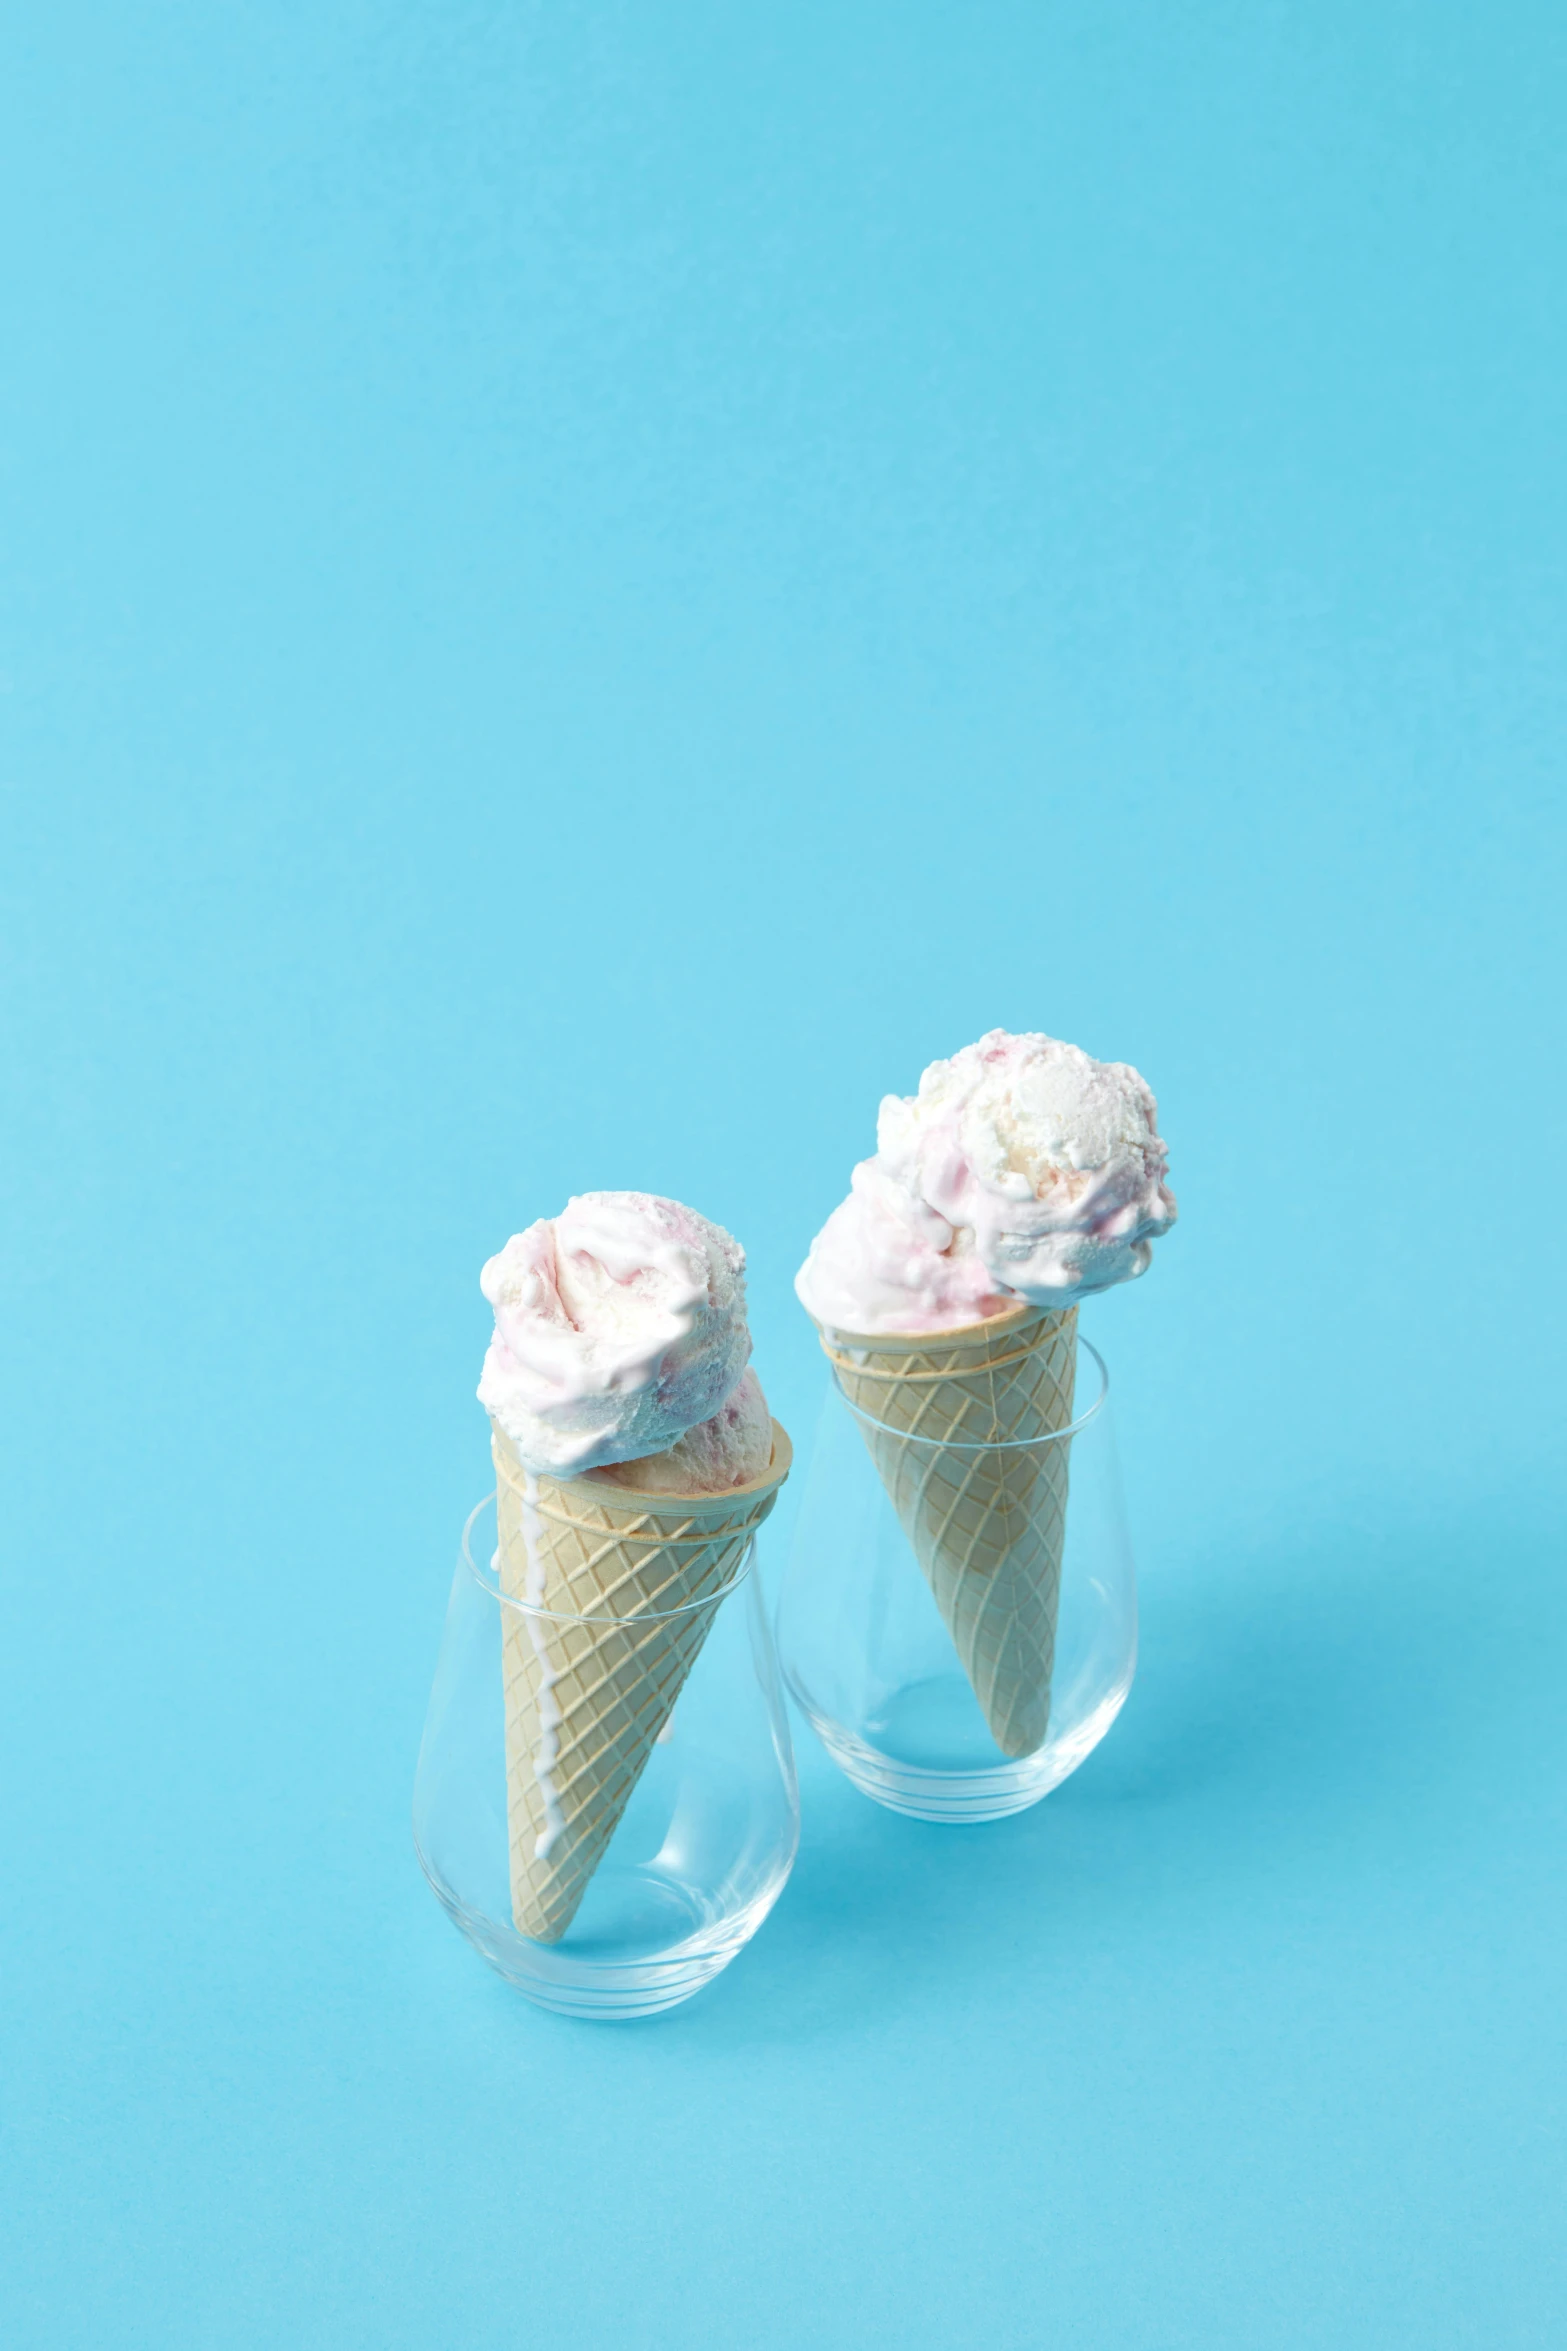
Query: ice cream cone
947, 1416
629, 1584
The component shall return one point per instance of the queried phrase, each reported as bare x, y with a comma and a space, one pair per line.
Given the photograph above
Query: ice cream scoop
619, 1329
731, 1449
1022, 1170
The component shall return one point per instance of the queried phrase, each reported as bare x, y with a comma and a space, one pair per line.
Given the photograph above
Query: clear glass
701, 1852
868, 1658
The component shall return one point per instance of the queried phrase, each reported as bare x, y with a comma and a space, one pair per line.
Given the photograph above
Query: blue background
584, 589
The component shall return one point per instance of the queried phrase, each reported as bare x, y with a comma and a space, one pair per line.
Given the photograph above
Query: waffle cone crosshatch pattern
958, 1617
617, 1592
948, 1425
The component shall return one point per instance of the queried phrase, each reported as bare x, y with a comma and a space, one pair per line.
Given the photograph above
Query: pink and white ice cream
1021, 1170
621, 1346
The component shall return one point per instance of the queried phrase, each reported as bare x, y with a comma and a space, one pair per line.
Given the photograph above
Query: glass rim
1078, 1422
489, 1582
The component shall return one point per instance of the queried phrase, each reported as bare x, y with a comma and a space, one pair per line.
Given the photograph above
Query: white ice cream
619, 1330
1021, 1170
731, 1449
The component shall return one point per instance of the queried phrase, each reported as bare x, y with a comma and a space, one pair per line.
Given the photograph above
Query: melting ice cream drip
547, 1753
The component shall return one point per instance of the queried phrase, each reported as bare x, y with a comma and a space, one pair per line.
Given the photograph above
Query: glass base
644, 1940
926, 1753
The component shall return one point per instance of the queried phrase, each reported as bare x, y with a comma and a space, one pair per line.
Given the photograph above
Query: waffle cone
987, 1526
590, 1684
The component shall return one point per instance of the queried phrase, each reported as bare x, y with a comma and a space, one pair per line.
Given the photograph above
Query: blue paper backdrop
584, 589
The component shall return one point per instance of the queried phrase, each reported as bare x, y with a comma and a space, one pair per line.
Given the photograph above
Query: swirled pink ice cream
1022, 1170
620, 1337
